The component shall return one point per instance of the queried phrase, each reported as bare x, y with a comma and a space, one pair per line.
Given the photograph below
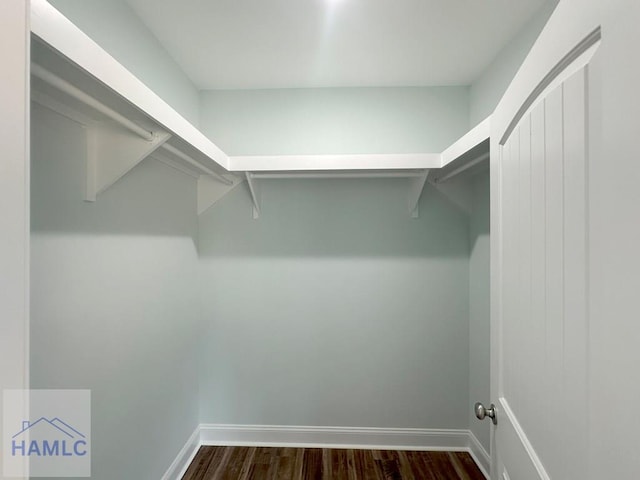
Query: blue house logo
46, 433
48, 438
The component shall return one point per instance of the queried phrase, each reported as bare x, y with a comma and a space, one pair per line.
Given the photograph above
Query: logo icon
46, 433
48, 438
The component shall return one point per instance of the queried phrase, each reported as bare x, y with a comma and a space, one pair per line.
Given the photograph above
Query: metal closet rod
188, 159
133, 127
87, 99
338, 175
462, 168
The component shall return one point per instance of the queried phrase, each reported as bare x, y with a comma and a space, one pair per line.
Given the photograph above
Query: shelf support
255, 190
416, 186
457, 191
210, 190
112, 152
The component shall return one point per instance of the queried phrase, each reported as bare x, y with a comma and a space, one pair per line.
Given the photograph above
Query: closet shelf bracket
112, 152
416, 179
116, 144
416, 186
210, 190
256, 194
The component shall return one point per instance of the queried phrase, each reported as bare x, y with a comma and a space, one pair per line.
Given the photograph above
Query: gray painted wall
479, 313
487, 90
115, 27
113, 300
335, 120
335, 307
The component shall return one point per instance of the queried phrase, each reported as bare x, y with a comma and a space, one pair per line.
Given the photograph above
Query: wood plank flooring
275, 463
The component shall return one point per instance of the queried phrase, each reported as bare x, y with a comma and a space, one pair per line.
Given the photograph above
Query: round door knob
482, 412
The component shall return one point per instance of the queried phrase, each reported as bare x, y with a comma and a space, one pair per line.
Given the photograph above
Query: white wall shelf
463, 159
416, 180
79, 60
126, 122
468, 154
394, 161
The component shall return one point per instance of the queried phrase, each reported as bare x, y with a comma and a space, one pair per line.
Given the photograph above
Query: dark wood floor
240, 463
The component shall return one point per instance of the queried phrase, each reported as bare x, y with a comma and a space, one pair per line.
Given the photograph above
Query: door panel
552, 257
542, 321
575, 335
590, 317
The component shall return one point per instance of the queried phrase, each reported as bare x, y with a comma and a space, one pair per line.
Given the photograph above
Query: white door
542, 323
565, 232
540, 337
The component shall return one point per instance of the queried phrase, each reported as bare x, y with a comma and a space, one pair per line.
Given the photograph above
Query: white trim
335, 437
573, 62
14, 204
186, 455
522, 436
479, 455
370, 438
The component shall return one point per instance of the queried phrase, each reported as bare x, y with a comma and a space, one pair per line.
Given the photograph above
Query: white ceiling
331, 43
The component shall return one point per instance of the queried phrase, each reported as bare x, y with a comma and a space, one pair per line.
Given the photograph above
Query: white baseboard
479, 455
179, 466
334, 437
329, 437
